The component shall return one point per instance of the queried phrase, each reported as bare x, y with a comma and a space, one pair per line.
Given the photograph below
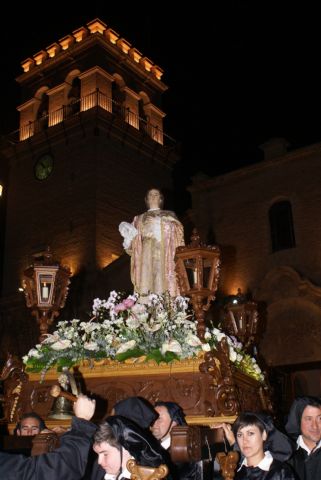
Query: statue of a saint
151, 240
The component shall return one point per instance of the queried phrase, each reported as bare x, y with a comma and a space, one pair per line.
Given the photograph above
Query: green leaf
159, 357
64, 362
133, 353
34, 369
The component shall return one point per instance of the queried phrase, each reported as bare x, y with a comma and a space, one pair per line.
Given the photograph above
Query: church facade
265, 217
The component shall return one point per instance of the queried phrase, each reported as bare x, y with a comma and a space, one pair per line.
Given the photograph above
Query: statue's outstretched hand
129, 232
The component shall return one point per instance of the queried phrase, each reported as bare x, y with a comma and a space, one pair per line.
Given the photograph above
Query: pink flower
120, 307
128, 302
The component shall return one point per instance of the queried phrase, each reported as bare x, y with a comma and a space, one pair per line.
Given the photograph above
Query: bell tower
89, 144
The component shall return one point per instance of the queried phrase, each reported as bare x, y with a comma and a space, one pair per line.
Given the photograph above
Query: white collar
300, 443
124, 474
264, 464
166, 443
153, 209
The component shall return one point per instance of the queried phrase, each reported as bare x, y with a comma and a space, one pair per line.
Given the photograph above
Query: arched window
281, 225
74, 96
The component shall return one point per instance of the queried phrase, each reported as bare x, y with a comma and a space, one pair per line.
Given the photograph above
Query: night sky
237, 77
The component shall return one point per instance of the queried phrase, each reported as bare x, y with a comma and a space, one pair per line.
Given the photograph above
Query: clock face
43, 166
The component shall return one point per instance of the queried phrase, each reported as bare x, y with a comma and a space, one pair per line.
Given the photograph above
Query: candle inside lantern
45, 292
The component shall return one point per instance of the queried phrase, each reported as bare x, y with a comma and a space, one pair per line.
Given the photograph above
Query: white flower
239, 357
51, 338
219, 336
171, 346
34, 353
138, 308
91, 346
206, 347
126, 346
25, 358
132, 322
232, 354
61, 344
193, 340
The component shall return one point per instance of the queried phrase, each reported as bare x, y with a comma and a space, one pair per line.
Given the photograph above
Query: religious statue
151, 240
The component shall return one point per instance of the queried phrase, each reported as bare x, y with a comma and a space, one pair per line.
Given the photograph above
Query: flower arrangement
161, 329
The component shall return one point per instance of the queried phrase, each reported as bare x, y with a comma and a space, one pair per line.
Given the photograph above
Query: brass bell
61, 409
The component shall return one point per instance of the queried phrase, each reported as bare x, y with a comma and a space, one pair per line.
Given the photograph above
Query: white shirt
300, 443
264, 464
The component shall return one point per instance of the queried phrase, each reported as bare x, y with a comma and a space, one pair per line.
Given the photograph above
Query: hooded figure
175, 411
304, 426
264, 448
119, 439
171, 415
138, 410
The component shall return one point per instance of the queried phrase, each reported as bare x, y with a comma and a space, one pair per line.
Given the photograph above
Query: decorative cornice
112, 368
209, 183
98, 28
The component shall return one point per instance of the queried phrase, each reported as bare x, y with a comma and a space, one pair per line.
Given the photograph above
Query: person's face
29, 426
108, 457
250, 440
311, 426
161, 425
153, 198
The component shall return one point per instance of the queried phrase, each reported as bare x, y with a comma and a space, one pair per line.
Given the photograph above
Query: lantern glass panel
45, 282
191, 272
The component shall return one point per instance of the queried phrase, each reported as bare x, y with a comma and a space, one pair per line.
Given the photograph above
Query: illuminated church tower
90, 144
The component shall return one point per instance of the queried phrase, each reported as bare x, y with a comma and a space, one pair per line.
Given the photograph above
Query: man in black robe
68, 462
304, 426
171, 415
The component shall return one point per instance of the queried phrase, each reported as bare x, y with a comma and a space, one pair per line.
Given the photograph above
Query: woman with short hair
263, 449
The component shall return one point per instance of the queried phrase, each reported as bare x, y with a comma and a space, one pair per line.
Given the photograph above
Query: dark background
239, 72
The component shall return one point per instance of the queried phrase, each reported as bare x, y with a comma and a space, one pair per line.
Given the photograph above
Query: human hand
228, 432
84, 407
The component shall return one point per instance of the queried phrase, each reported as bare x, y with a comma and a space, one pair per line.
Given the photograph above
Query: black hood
138, 410
175, 412
293, 425
141, 444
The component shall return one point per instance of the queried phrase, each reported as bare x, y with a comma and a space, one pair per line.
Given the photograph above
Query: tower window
281, 225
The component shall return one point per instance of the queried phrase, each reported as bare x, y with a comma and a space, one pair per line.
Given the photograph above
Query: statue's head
154, 198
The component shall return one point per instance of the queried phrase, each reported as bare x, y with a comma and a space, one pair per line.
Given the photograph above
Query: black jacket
67, 462
278, 471
307, 467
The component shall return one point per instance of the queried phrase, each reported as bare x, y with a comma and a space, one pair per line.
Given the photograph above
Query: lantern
241, 319
45, 285
197, 268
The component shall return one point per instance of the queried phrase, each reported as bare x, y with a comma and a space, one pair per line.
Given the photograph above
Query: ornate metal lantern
197, 268
241, 319
45, 286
